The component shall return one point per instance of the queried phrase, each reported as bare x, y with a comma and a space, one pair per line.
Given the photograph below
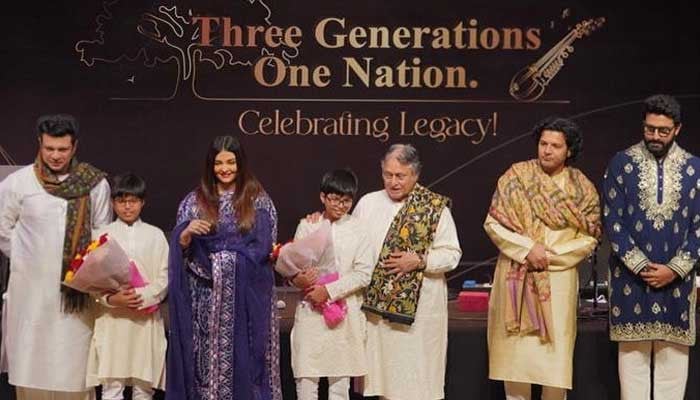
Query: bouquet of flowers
103, 266
294, 257
276, 248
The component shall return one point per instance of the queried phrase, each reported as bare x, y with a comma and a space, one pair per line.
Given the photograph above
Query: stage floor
595, 359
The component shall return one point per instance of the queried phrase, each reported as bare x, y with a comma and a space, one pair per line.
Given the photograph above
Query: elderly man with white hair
414, 241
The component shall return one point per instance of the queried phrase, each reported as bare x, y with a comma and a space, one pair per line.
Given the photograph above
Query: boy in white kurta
318, 350
128, 346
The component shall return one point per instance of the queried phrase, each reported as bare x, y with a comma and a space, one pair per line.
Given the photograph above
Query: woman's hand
195, 227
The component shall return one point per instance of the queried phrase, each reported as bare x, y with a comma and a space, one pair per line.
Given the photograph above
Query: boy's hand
305, 278
126, 298
318, 294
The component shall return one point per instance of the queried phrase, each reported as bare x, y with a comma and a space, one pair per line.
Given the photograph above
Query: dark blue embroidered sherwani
651, 213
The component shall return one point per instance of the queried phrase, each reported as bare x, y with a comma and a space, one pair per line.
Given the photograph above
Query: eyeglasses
127, 201
339, 201
662, 131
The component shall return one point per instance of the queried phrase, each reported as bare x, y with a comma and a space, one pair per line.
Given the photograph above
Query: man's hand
402, 262
305, 278
657, 275
314, 217
195, 227
126, 298
317, 294
537, 257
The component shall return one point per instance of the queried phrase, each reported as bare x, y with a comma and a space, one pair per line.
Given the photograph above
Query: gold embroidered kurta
525, 358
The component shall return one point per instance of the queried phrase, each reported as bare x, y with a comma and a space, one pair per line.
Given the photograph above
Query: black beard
658, 152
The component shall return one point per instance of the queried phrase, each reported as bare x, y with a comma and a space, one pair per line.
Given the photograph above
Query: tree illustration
153, 34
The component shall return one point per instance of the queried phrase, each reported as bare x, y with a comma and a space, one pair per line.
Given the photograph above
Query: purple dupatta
254, 282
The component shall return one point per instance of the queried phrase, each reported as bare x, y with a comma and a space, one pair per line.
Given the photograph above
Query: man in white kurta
407, 362
46, 347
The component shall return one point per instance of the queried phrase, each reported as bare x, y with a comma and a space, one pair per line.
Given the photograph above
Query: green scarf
76, 190
413, 229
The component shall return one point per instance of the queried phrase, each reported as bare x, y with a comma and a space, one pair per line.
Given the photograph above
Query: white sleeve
359, 210
359, 278
101, 205
514, 245
303, 229
10, 206
444, 254
155, 291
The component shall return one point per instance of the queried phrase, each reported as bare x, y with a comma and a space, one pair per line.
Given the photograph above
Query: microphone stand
594, 278
595, 309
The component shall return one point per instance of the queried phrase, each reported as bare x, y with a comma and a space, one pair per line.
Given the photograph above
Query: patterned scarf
527, 200
413, 229
76, 190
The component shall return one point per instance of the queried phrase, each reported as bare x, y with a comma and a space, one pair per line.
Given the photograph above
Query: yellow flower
69, 276
404, 233
93, 246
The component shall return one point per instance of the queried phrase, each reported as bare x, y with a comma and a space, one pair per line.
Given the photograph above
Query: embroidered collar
672, 165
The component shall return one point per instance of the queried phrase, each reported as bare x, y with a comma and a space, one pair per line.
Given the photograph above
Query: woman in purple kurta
223, 341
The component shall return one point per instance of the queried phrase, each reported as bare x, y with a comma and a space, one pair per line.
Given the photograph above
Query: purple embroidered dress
224, 338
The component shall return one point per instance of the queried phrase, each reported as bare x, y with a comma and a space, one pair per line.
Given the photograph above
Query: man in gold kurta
544, 219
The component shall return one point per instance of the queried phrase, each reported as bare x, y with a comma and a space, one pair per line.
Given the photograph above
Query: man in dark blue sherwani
652, 217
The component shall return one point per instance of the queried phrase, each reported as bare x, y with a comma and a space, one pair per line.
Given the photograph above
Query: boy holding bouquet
322, 346
128, 346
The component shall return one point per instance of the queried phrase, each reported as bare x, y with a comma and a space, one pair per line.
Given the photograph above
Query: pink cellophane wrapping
137, 281
307, 252
333, 311
104, 269
301, 254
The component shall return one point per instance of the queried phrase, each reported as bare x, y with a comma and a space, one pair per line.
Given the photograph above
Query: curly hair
571, 131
